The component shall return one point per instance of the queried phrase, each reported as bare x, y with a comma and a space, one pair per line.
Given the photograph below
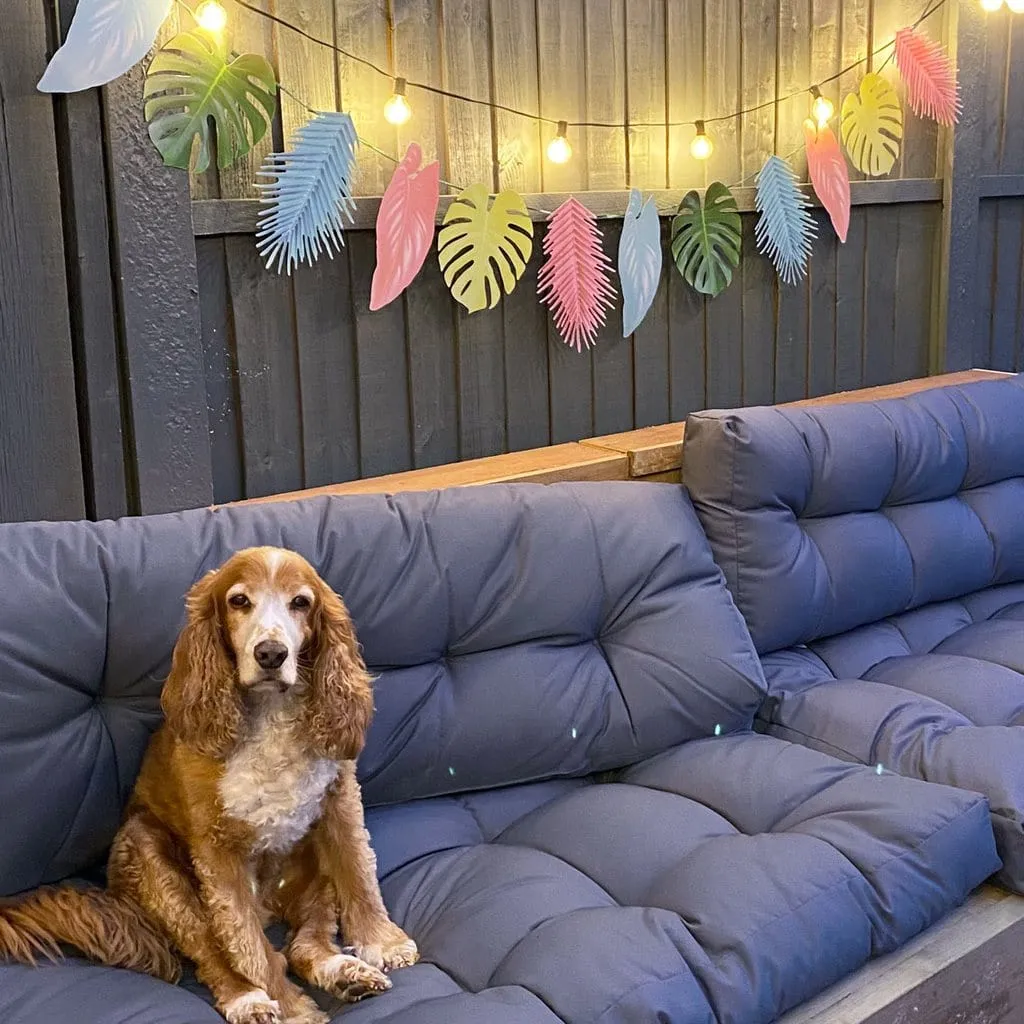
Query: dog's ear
339, 704
200, 701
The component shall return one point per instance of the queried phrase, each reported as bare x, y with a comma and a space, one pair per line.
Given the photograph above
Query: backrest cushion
826, 518
519, 633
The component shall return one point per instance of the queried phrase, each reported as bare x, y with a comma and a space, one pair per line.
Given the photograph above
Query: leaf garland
483, 248
312, 193
872, 126
192, 82
707, 238
930, 77
575, 282
829, 175
639, 260
405, 226
785, 230
106, 38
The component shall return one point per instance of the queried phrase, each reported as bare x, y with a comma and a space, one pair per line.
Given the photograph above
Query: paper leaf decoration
106, 38
829, 175
483, 249
785, 230
192, 85
405, 226
930, 77
873, 126
575, 281
706, 239
312, 193
639, 260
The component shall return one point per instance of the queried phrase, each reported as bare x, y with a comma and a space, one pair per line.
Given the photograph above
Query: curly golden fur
246, 810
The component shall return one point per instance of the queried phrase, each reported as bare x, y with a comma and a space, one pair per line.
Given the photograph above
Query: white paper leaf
639, 260
106, 38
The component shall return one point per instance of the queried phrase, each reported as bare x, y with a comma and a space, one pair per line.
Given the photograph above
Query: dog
246, 810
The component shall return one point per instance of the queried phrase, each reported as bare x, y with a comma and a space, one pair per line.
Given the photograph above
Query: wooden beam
238, 216
1001, 186
967, 967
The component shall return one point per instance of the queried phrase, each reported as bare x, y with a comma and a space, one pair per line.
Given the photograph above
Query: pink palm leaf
575, 281
930, 77
829, 175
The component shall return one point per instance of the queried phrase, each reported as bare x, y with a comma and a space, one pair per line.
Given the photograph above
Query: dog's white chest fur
273, 784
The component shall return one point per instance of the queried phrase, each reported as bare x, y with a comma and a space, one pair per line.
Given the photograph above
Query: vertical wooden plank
613, 361
268, 386
825, 55
1009, 245
221, 366
561, 68
855, 18
915, 275
520, 140
1012, 157
40, 458
325, 335
988, 220
792, 304
651, 380
467, 70
883, 243
433, 369
850, 298
722, 77
757, 67
361, 27
684, 37
687, 354
757, 284
821, 366
645, 62
725, 346
606, 41
304, 67
992, 80
384, 427
481, 349
794, 63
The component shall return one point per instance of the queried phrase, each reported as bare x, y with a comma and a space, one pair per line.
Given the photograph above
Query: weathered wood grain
647, 147
609, 40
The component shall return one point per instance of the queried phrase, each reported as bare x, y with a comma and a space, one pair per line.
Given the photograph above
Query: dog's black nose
270, 653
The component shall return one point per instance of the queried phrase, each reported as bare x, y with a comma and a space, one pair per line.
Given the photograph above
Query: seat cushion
728, 879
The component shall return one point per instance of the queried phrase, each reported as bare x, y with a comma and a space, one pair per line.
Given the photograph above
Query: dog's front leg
346, 857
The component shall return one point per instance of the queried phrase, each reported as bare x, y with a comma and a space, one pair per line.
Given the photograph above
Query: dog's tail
105, 927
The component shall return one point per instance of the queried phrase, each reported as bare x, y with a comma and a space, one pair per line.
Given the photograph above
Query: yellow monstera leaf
484, 248
873, 126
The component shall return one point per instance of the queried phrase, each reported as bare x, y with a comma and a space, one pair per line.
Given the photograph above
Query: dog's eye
300, 603
238, 601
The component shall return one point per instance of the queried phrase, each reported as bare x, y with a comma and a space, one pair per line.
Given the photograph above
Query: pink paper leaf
829, 175
930, 76
575, 281
405, 226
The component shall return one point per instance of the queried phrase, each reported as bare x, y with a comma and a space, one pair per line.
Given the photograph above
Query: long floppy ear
339, 704
200, 700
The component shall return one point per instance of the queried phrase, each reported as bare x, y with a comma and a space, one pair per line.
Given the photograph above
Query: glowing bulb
397, 109
559, 149
821, 108
1017, 6
991, 5
702, 147
211, 16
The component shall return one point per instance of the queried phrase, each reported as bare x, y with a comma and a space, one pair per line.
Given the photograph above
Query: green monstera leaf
194, 88
706, 239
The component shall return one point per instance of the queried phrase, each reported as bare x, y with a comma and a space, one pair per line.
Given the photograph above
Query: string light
702, 147
821, 108
211, 16
991, 5
397, 109
559, 149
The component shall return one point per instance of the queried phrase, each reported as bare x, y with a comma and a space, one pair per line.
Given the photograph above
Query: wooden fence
170, 369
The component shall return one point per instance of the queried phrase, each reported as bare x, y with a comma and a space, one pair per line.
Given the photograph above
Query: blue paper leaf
312, 194
639, 260
785, 230
106, 38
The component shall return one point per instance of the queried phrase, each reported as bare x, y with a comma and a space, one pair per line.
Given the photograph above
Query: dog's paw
350, 978
254, 1007
395, 950
305, 1011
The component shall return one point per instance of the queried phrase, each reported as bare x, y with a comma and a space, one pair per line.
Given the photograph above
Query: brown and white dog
246, 810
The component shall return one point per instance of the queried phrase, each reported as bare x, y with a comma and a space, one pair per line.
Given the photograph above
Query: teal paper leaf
639, 260
312, 196
106, 38
785, 230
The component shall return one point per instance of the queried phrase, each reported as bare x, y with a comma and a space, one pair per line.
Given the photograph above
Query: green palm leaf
706, 239
193, 87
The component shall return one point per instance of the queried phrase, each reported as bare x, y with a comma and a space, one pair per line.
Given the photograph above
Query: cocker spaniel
246, 810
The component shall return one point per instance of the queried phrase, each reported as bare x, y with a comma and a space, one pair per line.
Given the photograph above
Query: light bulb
1017, 6
702, 147
397, 109
211, 16
559, 149
991, 5
821, 108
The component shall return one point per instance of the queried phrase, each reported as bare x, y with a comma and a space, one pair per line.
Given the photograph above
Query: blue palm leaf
639, 260
785, 230
312, 196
